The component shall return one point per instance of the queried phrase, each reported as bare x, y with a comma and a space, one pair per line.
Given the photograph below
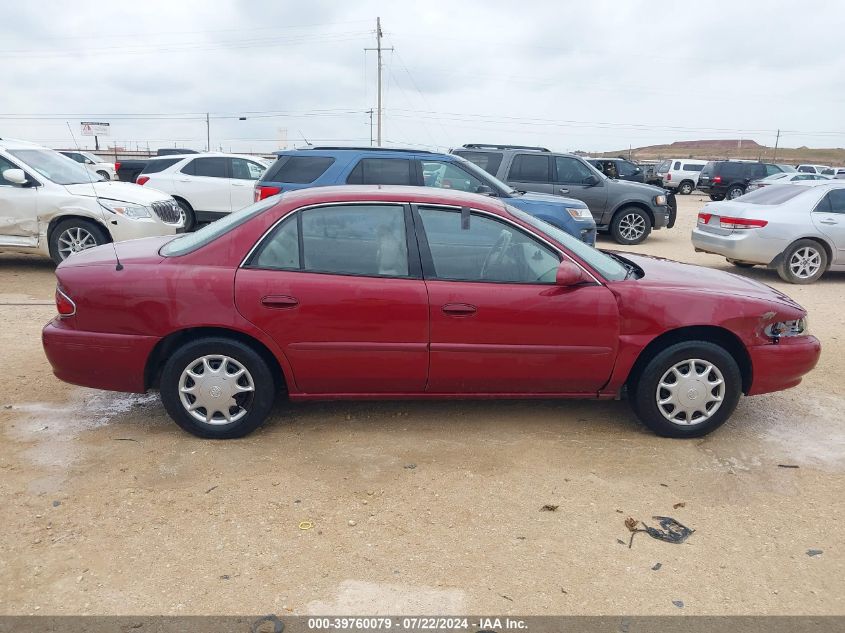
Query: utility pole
207, 132
379, 48
370, 112
777, 139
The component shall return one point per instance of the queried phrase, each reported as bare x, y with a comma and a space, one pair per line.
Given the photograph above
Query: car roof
13, 143
334, 151
202, 155
391, 193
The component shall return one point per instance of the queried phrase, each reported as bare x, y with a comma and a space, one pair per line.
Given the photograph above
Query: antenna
303, 138
118, 265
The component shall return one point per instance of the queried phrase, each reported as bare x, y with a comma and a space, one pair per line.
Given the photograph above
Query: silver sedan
798, 230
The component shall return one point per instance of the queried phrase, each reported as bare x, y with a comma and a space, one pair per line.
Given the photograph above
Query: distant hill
734, 148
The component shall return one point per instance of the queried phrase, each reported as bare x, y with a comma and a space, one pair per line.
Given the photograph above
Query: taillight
140, 180
265, 191
116, 165
704, 218
716, 179
64, 304
741, 223
668, 176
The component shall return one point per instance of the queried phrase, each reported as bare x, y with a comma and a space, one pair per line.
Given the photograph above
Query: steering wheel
497, 252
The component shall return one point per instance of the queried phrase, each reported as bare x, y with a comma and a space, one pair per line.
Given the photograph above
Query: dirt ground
108, 508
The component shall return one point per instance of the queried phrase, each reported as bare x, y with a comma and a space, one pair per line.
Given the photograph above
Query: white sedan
93, 163
797, 230
207, 186
783, 178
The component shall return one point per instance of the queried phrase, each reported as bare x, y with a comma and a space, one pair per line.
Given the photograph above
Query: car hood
115, 190
532, 199
639, 186
665, 273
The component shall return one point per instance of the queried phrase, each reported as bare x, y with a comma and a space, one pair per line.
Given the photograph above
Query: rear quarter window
298, 169
688, 167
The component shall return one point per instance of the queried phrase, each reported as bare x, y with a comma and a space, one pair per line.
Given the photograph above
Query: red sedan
402, 292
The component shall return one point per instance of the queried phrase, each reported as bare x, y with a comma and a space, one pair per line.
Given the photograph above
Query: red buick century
409, 293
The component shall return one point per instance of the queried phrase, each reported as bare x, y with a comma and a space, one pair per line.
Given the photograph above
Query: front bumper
781, 366
123, 229
115, 362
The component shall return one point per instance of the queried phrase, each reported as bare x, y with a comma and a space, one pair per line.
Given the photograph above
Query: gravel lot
108, 508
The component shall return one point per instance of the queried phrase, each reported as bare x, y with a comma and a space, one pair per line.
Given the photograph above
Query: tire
734, 192
803, 262
178, 388
190, 216
74, 235
669, 365
104, 174
630, 225
686, 188
716, 197
741, 264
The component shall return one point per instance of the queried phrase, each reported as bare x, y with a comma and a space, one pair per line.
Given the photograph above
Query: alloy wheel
805, 262
690, 392
216, 389
74, 240
632, 226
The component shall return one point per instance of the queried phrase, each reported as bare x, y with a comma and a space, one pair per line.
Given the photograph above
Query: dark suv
729, 178
618, 168
627, 210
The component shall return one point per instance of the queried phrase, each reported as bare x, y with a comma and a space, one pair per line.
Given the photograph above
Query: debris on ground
672, 531
210, 489
788, 466
657, 566
678, 603
507, 597
548, 508
352, 523
664, 485
680, 504
814, 552
57, 503
620, 541
410, 466
124, 439
306, 525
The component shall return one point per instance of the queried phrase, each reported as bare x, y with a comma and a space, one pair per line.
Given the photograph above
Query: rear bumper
781, 366
96, 359
744, 246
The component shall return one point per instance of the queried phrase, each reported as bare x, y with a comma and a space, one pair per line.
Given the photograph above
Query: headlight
579, 214
660, 200
797, 327
126, 209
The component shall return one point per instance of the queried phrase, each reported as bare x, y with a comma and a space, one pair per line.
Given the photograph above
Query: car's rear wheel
630, 225
739, 264
716, 197
803, 262
74, 235
687, 390
190, 216
217, 388
686, 188
105, 175
735, 192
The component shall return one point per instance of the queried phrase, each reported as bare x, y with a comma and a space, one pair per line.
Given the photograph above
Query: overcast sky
589, 75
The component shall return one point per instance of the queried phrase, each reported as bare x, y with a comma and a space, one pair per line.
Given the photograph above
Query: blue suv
321, 166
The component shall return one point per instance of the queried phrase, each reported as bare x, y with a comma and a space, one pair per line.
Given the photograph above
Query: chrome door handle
237, 184
184, 180
828, 221
562, 190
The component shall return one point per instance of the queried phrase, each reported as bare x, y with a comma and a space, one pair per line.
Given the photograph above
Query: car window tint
806, 169
489, 250
280, 250
298, 169
448, 175
836, 197
155, 166
692, 167
530, 168
488, 161
571, 170
212, 167
382, 171
4, 165
243, 169
626, 169
355, 240
677, 164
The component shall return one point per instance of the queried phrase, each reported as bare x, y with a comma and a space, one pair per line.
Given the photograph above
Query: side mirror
15, 176
591, 181
484, 190
568, 274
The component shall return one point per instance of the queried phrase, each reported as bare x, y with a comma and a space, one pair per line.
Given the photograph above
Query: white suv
680, 174
206, 186
51, 205
94, 164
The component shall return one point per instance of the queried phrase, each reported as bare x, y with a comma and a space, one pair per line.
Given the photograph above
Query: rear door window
300, 170
209, 167
382, 171
488, 161
530, 168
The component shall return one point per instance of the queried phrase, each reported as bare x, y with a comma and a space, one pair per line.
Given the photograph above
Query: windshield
608, 267
92, 157
53, 166
485, 177
190, 242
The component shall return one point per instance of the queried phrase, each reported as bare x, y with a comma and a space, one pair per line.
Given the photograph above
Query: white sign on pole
92, 128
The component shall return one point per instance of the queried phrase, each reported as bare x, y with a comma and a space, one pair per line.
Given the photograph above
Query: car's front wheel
687, 390
686, 188
735, 192
190, 216
217, 388
803, 262
630, 225
716, 197
74, 235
